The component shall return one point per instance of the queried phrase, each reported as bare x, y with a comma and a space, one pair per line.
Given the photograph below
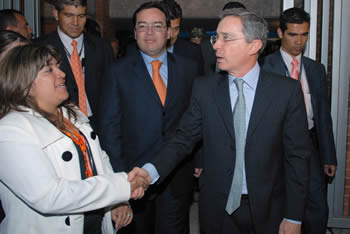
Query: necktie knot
239, 84
74, 44
156, 64
295, 62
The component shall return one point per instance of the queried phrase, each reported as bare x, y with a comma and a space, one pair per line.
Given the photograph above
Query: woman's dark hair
8, 37
18, 70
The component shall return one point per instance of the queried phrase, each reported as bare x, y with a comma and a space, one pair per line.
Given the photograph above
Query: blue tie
234, 198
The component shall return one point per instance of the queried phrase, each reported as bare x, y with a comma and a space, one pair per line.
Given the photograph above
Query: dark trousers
165, 214
316, 214
240, 222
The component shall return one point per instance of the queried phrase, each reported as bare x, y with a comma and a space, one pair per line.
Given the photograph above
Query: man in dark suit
294, 31
177, 45
95, 54
254, 131
139, 117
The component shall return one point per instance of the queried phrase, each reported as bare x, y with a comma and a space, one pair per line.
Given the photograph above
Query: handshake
139, 181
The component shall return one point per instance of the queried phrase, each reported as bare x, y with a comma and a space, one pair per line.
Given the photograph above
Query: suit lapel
89, 57
262, 101
277, 64
173, 72
140, 72
221, 95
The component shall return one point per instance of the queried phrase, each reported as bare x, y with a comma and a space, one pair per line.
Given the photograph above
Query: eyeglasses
224, 36
154, 27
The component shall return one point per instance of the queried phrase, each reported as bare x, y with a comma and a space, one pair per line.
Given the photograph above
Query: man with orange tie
289, 61
144, 96
85, 57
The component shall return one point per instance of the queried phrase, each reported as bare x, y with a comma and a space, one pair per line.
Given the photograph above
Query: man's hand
197, 172
121, 215
139, 180
330, 170
287, 227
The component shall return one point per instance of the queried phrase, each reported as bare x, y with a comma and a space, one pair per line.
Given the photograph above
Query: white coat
41, 188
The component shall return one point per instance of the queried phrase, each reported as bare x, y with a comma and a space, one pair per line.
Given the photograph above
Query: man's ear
55, 14
255, 46
279, 32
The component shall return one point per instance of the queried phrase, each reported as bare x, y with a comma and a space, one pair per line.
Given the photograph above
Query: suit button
93, 135
163, 133
67, 221
163, 113
67, 156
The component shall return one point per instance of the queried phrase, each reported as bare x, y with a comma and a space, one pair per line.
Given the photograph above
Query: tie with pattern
158, 81
295, 69
79, 77
234, 198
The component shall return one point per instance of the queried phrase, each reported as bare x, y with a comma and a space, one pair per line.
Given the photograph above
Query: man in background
178, 45
289, 61
85, 57
15, 21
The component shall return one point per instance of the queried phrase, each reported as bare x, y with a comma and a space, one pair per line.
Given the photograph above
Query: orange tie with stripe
158, 81
295, 70
79, 77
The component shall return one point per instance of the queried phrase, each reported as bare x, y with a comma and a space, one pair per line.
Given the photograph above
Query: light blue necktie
234, 198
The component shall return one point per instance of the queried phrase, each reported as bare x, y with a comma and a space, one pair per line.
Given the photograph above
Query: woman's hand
122, 215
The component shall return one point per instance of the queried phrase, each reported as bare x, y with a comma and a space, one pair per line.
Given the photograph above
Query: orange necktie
158, 81
79, 77
295, 69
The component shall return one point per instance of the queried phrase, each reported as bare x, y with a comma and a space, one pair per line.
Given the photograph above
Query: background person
14, 20
86, 59
289, 61
55, 177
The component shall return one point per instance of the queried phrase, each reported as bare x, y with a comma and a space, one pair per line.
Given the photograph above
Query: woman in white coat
54, 177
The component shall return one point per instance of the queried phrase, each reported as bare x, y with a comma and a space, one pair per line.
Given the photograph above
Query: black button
93, 135
163, 133
67, 221
67, 156
163, 113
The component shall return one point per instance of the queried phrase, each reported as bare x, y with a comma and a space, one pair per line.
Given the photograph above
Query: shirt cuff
152, 171
293, 221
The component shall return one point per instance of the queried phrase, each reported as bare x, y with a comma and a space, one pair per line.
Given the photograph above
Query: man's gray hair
254, 26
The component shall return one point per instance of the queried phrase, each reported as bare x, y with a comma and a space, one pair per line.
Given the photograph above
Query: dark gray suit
276, 153
316, 216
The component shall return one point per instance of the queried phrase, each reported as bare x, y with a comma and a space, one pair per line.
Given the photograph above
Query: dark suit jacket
276, 154
98, 56
317, 80
134, 124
